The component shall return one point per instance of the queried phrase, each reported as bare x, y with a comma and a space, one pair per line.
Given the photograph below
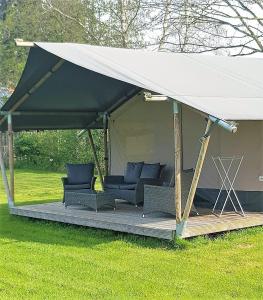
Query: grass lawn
45, 260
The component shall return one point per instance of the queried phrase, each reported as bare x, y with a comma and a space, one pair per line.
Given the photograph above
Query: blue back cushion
80, 173
151, 171
133, 172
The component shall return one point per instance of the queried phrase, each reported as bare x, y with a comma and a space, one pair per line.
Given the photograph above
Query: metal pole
229, 126
95, 155
11, 156
3, 171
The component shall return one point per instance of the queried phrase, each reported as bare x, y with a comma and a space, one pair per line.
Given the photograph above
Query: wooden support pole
4, 176
105, 136
95, 155
177, 160
11, 156
199, 165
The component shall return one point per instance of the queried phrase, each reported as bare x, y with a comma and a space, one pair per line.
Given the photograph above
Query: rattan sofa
130, 187
161, 199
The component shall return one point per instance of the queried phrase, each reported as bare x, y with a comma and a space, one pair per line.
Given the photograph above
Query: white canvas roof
228, 88
93, 80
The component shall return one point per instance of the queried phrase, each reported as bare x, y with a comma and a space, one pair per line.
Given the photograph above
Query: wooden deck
128, 219
209, 223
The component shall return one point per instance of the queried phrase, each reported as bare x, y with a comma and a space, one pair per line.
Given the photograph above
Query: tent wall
142, 131
248, 141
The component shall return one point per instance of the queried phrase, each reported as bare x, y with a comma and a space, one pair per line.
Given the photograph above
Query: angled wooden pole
177, 160
11, 156
105, 137
199, 165
95, 156
4, 176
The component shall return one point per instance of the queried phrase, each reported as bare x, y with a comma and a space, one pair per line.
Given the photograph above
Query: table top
88, 192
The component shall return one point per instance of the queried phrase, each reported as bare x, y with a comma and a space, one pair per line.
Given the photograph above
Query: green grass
45, 260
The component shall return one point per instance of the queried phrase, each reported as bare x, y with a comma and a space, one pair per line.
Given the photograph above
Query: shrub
51, 150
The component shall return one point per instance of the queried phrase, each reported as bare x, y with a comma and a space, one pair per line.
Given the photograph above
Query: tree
101, 22
29, 19
241, 21
106, 22
232, 26
83, 16
127, 23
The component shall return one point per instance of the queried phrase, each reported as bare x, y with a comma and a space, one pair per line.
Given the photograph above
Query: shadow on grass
22, 229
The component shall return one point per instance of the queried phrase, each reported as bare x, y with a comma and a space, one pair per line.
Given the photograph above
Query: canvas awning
93, 80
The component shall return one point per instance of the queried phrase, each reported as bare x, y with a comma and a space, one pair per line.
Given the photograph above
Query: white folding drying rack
228, 168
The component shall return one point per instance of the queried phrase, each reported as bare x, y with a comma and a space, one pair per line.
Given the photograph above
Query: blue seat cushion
77, 186
133, 172
130, 186
151, 171
80, 173
112, 186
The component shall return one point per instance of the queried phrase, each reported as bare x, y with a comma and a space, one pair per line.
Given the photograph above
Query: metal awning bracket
230, 126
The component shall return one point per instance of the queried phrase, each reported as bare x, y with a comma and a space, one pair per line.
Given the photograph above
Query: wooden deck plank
129, 219
117, 221
213, 224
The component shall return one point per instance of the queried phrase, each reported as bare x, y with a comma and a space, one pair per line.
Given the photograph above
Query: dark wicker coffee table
91, 199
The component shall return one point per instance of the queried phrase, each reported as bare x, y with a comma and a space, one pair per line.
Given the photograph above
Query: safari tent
198, 108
